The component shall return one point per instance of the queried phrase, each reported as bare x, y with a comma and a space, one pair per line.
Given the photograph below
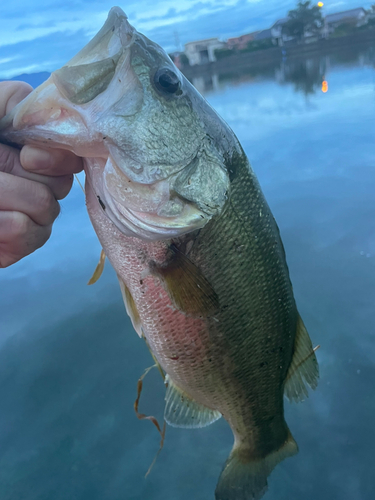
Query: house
241, 42
202, 51
277, 31
206, 83
278, 37
356, 17
175, 56
263, 35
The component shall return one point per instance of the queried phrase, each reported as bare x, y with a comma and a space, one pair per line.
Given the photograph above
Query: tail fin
243, 479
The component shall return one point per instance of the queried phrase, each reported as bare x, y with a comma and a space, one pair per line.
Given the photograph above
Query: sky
43, 36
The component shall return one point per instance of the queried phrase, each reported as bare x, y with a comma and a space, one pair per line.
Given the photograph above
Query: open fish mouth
147, 211
153, 227
123, 106
67, 104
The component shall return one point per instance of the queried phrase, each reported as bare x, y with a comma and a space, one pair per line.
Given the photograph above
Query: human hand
31, 182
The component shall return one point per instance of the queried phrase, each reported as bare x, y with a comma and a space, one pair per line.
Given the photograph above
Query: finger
50, 162
29, 197
19, 236
11, 94
10, 163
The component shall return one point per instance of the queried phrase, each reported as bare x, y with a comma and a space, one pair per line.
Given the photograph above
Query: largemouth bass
181, 217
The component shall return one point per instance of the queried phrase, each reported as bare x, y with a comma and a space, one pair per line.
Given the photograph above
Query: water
70, 361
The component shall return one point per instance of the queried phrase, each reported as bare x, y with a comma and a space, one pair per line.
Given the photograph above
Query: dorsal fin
304, 367
183, 411
131, 308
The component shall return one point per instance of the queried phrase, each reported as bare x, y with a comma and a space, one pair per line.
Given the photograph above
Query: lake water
70, 360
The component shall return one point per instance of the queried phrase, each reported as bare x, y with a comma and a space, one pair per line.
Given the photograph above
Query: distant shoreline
278, 54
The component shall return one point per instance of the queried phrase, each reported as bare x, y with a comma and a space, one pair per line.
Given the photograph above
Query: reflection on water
70, 360
307, 74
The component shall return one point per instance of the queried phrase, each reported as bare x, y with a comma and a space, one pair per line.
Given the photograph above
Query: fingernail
35, 159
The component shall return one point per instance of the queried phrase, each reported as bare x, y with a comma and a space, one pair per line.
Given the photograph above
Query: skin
31, 181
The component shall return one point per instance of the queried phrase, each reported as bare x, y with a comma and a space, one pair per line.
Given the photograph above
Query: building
355, 17
206, 83
277, 31
175, 56
278, 37
241, 42
202, 51
263, 35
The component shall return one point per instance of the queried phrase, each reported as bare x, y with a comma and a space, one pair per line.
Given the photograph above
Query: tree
307, 78
184, 60
371, 15
305, 18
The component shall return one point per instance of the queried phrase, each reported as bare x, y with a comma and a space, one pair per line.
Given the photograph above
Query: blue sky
42, 36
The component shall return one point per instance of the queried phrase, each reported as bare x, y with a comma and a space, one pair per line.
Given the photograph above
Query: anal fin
304, 367
183, 411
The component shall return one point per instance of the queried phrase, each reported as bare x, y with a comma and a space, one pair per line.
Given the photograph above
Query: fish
182, 218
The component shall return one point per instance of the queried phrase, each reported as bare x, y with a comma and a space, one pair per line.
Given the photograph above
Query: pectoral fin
131, 308
304, 367
98, 270
183, 411
188, 289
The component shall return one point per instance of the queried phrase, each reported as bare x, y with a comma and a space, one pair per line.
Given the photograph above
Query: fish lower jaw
146, 225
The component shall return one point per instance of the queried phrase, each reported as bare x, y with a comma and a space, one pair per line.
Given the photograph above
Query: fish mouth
61, 109
116, 34
87, 107
151, 226
147, 211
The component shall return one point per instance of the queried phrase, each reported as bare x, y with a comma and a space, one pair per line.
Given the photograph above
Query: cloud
45, 53
333, 6
38, 26
6, 60
51, 36
36, 37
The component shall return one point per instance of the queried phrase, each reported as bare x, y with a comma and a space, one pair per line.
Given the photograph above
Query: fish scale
253, 311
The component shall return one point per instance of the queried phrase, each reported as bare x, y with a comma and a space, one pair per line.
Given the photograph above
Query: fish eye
167, 81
